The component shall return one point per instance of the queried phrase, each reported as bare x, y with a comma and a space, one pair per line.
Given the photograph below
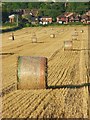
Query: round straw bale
52, 35
82, 31
68, 45
34, 39
32, 72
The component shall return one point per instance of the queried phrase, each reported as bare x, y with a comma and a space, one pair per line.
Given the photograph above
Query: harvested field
67, 93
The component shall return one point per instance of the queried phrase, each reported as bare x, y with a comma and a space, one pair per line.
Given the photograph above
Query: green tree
34, 5
52, 9
79, 7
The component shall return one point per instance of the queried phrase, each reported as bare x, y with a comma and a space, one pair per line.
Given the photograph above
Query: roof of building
11, 16
68, 14
84, 16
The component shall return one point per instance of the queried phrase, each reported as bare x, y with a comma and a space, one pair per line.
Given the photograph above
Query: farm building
77, 18
12, 18
88, 14
85, 19
62, 19
46, 20
68, 17
34, 20
72, 17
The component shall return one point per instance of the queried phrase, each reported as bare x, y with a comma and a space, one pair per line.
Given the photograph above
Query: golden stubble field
67, 68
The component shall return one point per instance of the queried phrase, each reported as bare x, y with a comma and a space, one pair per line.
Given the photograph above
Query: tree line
52, 9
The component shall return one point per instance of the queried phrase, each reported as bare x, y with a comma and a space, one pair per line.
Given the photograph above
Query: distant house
34, 20
77, 18
61, 19
73, 17
88, 15
65, 18
45, 20
12, 18
68, 17
85, 18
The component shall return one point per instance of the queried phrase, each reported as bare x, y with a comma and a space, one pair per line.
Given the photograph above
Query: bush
9, 24
27, 25
75, 23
